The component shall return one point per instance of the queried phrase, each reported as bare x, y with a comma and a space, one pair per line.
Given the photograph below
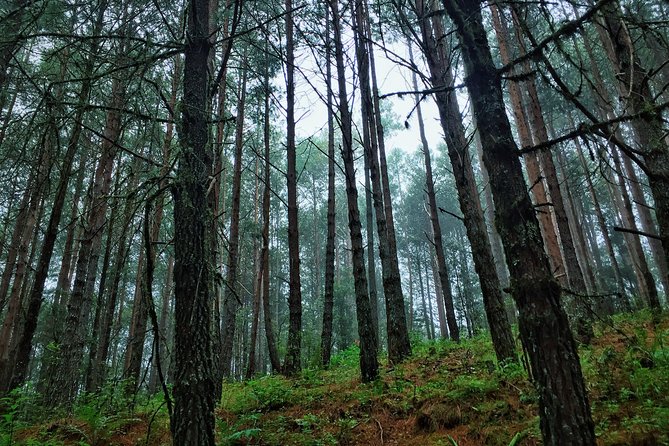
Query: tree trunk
399, 346
398, 335
192, 422
267, 313
369, 368
634, 86
537, 187
328, 295
231, 300
80, 304
456, 141
292, 364
563, 404
444, 281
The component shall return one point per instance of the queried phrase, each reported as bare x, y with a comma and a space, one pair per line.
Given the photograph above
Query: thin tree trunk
267, 312
444, 281
166, 298
369, 368
292, 363
231, 300
328, 295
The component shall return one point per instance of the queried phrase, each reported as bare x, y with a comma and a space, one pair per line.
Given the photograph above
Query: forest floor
446, 394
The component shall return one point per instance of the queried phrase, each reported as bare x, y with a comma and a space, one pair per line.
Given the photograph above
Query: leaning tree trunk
457, 145
563, 404
369, 368
634, 85
192, 422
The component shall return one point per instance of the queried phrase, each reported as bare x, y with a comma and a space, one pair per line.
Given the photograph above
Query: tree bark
231, 300
634, 87
398, 335
399, 346
267, 313
193, 423
532, 166
369, 368
328, 295
563, 404
292, 363
460, 158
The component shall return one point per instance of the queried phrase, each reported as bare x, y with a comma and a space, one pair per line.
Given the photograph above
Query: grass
446, 394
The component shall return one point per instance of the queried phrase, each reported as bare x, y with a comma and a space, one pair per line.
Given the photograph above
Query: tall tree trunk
642, 270
80, 303
291, 364
634, 86
443, 328
231, 300
257, 285
603, 229
192, 422
544, 328
460, 158
532, 167
328, 295
267, 312
399, 346
398, 335
12, 324
444, 281
369, 368
575, 280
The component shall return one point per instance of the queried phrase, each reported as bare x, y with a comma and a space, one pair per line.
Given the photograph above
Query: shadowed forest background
231, 222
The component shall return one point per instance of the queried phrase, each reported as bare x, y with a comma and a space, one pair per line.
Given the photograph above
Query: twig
380, 429
637, 232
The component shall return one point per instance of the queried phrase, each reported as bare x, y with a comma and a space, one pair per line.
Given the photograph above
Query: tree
563, 404
291, 364
192, 422
369, 368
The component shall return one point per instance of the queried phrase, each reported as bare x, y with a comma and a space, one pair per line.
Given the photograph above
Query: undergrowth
447, 394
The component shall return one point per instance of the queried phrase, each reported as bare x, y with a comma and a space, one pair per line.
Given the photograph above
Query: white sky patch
311, 112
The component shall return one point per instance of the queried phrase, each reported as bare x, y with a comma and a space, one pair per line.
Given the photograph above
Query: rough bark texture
399, 346
470, 206
369, 367
532, 166
563, 404
192, 422
81, 301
